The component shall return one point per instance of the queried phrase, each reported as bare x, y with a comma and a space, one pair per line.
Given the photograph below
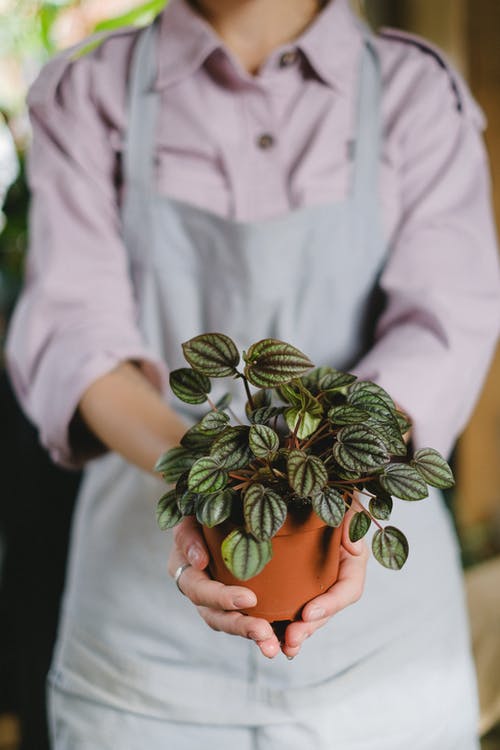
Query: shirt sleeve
436, 336
76, 317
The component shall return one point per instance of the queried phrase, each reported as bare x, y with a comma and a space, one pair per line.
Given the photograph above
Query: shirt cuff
64, 375
424, 377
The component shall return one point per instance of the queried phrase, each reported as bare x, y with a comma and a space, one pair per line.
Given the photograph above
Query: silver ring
180, 570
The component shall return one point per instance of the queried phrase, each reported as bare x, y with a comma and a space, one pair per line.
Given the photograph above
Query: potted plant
271, 494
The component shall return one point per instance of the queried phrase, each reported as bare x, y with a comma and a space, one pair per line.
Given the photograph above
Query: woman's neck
251, 29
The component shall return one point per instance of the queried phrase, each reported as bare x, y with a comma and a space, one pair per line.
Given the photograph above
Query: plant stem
240, 486
211, 404
243, 478
364, 510
247, 388
280, 474
344, 497
315, 437
272, 469
295, 431
234, 415
366, 493
352, 481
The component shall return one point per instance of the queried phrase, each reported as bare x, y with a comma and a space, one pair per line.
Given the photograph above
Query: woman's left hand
347, 590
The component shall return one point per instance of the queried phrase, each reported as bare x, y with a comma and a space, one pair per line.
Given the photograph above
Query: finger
245, 626
316, 614
269, 647
204, 592
347, 590
298, 632
189, 540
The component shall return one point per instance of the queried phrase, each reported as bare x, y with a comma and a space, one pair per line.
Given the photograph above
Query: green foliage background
27, 40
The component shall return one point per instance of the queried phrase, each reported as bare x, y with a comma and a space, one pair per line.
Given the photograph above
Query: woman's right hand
217, 604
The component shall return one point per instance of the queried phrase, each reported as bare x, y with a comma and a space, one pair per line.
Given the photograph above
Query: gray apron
399, 658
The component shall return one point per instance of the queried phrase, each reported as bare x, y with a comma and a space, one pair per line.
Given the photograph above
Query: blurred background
36, 502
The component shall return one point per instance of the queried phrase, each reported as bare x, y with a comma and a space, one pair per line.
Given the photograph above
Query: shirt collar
186, 40
331, 44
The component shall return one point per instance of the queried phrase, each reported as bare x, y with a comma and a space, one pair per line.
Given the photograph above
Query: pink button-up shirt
248, 148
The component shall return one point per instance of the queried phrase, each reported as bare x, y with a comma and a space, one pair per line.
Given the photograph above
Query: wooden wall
469, 32
479, 450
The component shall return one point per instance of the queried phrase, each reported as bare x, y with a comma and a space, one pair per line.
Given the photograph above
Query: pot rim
302, 521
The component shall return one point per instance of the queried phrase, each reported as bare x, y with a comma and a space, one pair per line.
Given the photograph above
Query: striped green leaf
196, 440
212, 510
213, 423
265, 414
263, 441
341, 473
244, 555
187, 503
186, 500
302, 421
270, 363
381, 507
433, 468
365, 388
324, 379
212, 354
403, 481
373, 404
207, 476
390, 435
304, 415
172, 464
359, 525
290, 394
260, 399
190, 386
167, 511
334, 380
231, 448
404, 422
383, 417
359, 449
390, 547
307, 474
329, 505
264, 511
346, 414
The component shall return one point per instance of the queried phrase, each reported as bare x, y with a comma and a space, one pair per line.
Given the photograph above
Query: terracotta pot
305, 563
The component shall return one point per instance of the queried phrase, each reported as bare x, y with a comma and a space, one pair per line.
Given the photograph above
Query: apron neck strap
368, 140
142, 111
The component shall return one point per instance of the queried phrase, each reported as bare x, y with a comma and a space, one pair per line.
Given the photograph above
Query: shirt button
288, 58
265, 141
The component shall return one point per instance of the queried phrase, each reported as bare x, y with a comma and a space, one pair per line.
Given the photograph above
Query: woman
255, 168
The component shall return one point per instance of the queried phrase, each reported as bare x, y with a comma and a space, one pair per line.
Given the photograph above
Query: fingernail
316, 613
244, 601
290, 658
297, 641
195, 555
